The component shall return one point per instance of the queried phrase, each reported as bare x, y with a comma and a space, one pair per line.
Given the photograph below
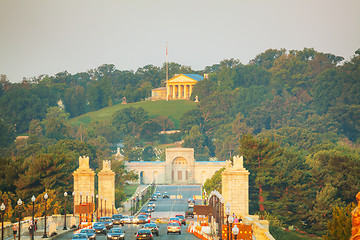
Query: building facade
180, 167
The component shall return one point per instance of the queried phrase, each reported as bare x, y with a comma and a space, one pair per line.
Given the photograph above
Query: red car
182, 218
176, 220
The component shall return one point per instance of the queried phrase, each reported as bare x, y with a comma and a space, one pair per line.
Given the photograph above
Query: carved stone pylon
83, 181
106, 180
235, 186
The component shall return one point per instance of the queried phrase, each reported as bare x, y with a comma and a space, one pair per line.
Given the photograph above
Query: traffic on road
165, 216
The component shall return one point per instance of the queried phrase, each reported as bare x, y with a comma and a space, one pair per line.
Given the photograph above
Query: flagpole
167, 72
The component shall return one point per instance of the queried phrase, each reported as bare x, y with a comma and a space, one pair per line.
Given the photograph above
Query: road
165, 208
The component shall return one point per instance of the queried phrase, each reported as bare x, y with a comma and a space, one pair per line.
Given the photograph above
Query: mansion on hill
178, 87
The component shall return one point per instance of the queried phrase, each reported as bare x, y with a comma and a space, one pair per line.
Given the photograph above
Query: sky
51, 36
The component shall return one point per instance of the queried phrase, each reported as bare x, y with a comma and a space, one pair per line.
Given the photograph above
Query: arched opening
141, 177
179, 170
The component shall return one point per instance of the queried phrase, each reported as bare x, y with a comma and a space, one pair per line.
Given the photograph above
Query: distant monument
355, 220
235, 186
196, 98
106, 182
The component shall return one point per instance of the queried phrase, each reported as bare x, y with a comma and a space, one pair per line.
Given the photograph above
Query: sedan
153, 228
173, 227
151, 204
116, 219
99, 227
89, 232
107, 221
176, 220
182, 218
80, 236
116, 234
144, 234
166, 195
141, 219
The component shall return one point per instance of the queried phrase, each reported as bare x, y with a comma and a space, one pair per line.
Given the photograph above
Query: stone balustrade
53, 223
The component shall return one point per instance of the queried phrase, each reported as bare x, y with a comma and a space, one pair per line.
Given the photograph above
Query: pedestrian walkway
127, 203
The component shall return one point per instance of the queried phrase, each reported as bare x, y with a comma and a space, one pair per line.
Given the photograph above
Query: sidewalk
40, 233
127, 204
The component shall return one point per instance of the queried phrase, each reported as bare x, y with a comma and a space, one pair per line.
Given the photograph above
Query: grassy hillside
171, 109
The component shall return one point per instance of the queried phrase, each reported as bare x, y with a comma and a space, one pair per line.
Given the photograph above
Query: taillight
151, 235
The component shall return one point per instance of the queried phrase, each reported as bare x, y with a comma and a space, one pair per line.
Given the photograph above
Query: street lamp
227, 212
97, 207
80, 197
45, 197
231, 220
235, 231
2, 208
112, 209
33, 217
73, 194
92, 204
65, 195
101, 207
19, 202
105, 207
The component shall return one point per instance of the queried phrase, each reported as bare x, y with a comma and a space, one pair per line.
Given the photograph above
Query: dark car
150, 209
89, 232
157, 194
144, 234
153, 228
99, 227
182, 218
189, 213
116, 219
151, 204
142, 219
173, 227
166, 195
107, 221
116, 234
153, 198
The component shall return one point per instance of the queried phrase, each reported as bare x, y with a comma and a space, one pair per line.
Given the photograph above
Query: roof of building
196, 77
158, 89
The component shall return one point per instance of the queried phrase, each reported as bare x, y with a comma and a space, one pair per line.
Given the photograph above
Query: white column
179, 91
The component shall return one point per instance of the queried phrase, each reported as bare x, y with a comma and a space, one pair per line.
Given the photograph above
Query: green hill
171, 109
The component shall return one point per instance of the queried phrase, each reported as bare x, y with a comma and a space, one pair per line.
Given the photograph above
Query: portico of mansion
178, 87
180, 167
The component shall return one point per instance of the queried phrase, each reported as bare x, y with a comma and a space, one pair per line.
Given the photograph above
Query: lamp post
19, 202
112, 209
131, 209
2, 208
105, 207
97, 207
92, 209
33, 217
45, 197
235, 231
65, 195
86, 194
101, 207
227, 212
231, 220
80, 197
73, 194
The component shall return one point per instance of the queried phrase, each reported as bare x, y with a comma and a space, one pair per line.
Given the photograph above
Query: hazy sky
50, 36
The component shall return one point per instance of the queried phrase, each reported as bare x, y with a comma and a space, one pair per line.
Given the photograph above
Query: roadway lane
165, 208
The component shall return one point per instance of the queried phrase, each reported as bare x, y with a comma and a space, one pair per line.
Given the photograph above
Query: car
116, 234
150, 209
89, 232
130, 220
157, 194
189, 213
191, 200
153, 198
80, 236
125, 219
173, 227
151, 204
182, 218
175, 219
99, 227
191, 204
116, 219
166, 195
144, 234
141, 219
153, 228
148, 215
107, 221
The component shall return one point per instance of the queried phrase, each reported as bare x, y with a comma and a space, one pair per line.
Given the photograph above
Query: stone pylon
235, 187
83, 182
106, 200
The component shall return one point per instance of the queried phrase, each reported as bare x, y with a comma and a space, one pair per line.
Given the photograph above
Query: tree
129, 120
56, 125
7, 133
339, 226
150, 130
197, 140
165, 123
214, 183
